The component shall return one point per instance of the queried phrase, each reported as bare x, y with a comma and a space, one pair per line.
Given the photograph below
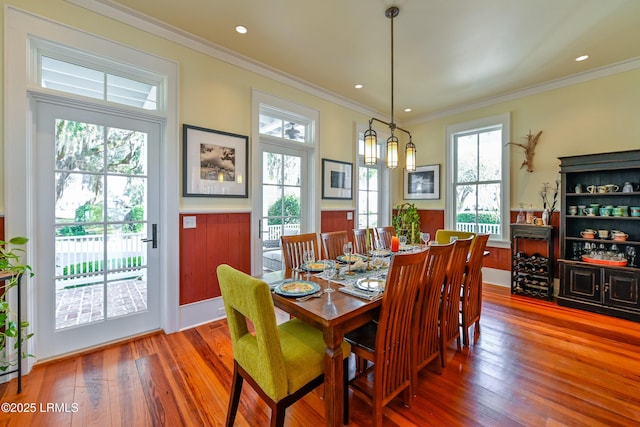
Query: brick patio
77, 306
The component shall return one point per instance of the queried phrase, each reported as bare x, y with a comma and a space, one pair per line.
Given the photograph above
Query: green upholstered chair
444, 236
281, 362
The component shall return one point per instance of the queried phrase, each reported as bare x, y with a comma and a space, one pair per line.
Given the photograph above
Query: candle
413, 231
366, 244
395, 244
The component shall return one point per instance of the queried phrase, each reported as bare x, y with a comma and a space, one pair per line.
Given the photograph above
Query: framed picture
215, 163
337, 179
424, 183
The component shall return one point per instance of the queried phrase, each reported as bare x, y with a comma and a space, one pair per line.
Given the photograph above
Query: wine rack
532, 271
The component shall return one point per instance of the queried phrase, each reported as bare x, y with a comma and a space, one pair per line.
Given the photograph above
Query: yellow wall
594, 116
213, 94
591, 117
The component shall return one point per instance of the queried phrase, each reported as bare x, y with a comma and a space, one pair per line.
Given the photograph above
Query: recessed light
241, 29
582, 58
359, 86
407, 110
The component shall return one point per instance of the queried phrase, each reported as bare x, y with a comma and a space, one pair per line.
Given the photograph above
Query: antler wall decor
529, 149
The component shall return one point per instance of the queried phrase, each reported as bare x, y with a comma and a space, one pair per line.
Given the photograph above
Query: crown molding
607, 70
125, 15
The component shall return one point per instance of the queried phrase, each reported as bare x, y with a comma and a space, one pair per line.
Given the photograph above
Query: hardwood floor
534, 364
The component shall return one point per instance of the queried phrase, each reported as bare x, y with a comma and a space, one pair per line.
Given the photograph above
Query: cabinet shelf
607, 289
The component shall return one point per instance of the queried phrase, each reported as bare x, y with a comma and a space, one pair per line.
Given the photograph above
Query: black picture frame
337, 179
423, 183
215, 163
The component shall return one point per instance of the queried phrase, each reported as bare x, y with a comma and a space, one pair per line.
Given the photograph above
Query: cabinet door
621, 289
581, 283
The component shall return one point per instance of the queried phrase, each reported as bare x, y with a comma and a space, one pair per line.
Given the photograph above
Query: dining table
334, 313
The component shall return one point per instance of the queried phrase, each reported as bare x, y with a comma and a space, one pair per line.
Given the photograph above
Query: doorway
98, 204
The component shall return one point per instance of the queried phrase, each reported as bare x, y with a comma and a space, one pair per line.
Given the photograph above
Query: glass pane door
99, 219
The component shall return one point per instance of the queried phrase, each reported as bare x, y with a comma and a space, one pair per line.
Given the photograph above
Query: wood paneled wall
337, 221
217, 239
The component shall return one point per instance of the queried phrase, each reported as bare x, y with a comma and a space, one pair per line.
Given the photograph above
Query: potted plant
406, 221
12, 268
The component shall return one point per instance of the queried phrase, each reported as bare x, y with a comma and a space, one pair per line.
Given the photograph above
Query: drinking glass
425, 237
329, 273
347, 249
377, 262
308, 257
403, 240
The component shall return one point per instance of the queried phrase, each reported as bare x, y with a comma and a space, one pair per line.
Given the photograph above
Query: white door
97, 239
283, 201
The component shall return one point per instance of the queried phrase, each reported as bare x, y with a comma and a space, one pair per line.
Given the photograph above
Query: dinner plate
297, 288
314, 266
380, 252
350, 259
371, 284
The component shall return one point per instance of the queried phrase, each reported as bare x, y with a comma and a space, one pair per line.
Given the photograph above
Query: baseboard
201, 312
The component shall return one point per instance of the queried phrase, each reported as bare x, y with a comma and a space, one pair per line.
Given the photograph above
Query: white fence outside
482, 228
83, 258
275, 231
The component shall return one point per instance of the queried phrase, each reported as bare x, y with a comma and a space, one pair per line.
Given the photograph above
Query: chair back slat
472, 288
425, 339
450, 306
360, 240
384, 236
293, 248
392, 369
333, 243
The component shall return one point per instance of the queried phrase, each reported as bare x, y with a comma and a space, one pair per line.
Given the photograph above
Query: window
73, 72
371, 197
478, 193
285, 125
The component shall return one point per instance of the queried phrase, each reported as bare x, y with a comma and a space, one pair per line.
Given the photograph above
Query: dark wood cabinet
604, 284
606, 290
532, 260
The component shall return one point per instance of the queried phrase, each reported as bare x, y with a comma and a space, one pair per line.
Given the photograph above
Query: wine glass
329, 273
377, 262
347, 249
425, 237
307, 258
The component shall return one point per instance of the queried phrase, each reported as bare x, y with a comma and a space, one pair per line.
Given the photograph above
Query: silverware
304, 298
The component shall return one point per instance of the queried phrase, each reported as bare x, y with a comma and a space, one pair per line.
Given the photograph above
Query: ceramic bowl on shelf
588, 234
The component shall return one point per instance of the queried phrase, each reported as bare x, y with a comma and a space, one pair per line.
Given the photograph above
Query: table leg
333, 384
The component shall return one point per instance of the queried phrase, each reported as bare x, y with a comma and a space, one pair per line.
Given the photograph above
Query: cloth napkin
371, 296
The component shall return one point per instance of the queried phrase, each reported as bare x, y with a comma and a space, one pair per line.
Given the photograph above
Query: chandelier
370, 136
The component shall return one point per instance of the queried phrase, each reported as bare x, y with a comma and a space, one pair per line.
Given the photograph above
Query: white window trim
19, 139
450, 209
312, 146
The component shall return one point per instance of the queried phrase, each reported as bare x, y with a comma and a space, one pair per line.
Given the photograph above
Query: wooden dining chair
384, 236
333, 243
386, 342
425, 338
471, 298
450, 301
360, 240
293, 248
282, 363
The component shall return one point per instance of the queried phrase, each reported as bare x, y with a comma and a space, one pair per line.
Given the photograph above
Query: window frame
384, 198
504, 122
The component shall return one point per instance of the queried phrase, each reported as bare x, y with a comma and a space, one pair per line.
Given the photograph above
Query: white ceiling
448, 53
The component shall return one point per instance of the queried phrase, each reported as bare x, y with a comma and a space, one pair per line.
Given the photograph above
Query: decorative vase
545, 217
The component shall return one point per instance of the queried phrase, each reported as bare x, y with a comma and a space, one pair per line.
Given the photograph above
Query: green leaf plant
10, 265
406, 221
